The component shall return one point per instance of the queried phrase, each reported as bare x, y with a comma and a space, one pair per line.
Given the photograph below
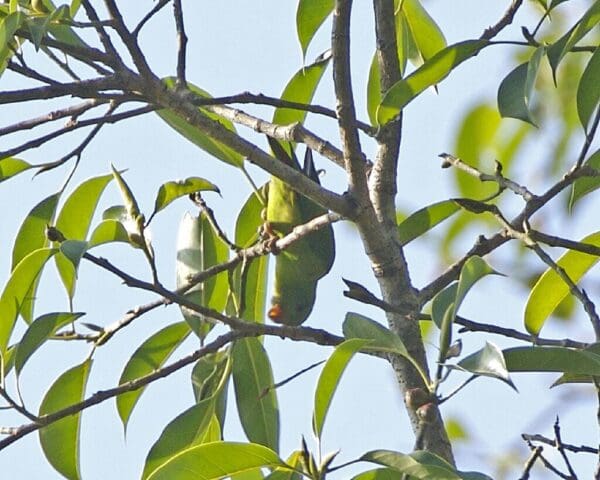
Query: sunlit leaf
108, 231
210, 376
9, 167
378, 474
60, 440
588, 91
197, 136
216, 460
583, 186
71, 252
8, 27
489, 362
310, 15
552, 359
294, 460
131, 204
425, 219
550, 289
38, 332
17, 287
427, 36
170, 191
149, 356
514, 93
330, 378
256, 400
430, 73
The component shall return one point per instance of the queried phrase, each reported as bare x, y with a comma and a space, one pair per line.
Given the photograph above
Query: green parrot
299, 267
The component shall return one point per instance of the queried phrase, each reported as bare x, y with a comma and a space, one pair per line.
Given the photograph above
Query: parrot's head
292, 305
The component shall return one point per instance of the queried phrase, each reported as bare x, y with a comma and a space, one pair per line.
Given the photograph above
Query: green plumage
299, 267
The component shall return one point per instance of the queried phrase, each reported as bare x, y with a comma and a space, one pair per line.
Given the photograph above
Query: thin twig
506, 20
535, 453
158, 7
181, 43
559, 446
548, 441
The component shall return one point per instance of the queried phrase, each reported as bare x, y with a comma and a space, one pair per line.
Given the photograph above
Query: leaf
427, 36
489, 362
310, 15
377, 474
561, 47
514, 93
550, 289
429, 74
583, 186
588, 91
17, 287
197, 136
60, 440
381, 338
425, 219
9, 167
131, 205
170, 191
216, 460
38, 332
210, 376
185, 431
8, 27
150, 356
256, 400
74, 221
198, 248
330, 378
552, 359
108, 231
71, 252
294, 460
301, 89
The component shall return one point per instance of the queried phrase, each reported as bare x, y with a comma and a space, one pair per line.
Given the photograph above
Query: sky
240, 46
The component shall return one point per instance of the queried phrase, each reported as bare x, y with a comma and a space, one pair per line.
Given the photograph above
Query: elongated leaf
38, 332
301, 89
18, 286
588, 91
561, 47
198, 137
585, 185
8, 27
60, 440
427, 36
310, 15
252, 377
489, 362
199, 247
550, 289
378, 474
9, 167
149, 356
74, 221
330, 378
381, 338
514, 93
578, 377
71, 252
170, 191
185, 431
294, 460
430, 73
210, 377
213, 461
108, 231
129, 200
552, 359
425, 219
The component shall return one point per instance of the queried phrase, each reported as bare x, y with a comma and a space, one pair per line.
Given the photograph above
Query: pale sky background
237, 46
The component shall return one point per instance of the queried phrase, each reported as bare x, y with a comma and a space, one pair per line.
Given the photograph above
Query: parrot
299, 267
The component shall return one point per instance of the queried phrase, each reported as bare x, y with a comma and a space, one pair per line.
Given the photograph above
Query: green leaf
71, 252
583, 186
588, 91
170, 191
131, 204
60, 440
330, 378
429, 74
294, 460
38, 332
550, 289
255, 397
108, 231
213, 461
514, 93
310, 15
561, 47
198, 137
150, 356
199, 247
426, 34
425, 219
210, 377
489, 362
185, 431
17, 287
9, 167
378, 474
8, 27
381, 338
552, 359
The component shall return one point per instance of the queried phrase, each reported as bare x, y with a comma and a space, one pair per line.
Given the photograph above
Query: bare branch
505, 21
157, 8
181, 43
